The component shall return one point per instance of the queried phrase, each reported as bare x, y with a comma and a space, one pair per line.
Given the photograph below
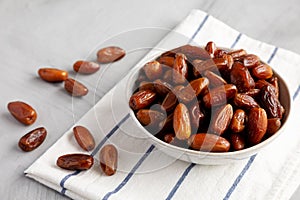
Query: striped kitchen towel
144, 172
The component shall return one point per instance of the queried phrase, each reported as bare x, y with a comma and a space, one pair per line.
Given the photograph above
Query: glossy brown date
221, 120
262, 71
153, 70
257, 125
241, 77
85, 67
109, 159
84, 138
75, 161
270, 102
22, 112
181, 122
208, 142
180, 69
244, 101
53, 75
211, 48
273, 126
110, 54
238, 121
33, 139
219, 95
75, 88
237, 141
142, 99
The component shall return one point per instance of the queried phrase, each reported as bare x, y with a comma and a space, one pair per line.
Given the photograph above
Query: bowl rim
249, 150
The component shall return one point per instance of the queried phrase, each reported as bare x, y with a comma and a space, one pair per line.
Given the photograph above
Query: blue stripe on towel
188, 169
199, 28
111, 132
239, 178
179, 182
133, 170
236, 40
296, 93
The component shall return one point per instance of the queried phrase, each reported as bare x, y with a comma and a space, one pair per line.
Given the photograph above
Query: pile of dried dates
209, 99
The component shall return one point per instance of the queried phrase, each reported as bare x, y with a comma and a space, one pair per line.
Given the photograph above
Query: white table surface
42, 32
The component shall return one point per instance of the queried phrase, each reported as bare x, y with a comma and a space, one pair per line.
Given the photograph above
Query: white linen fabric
144, 172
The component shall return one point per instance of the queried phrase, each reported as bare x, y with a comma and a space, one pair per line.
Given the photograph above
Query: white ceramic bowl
211, 158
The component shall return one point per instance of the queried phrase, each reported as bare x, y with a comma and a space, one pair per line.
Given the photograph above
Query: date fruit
244, 101
142, 99
219, 95
153, 70
180, 69
181, 122
86, 67
84, 138
109, 159
237, 141
110, 54
262, 71
257, 125
75, 88
208, 142
53, 75
221, 119
33, 139
273, 125
238, 121
241, 77
76, 161
22, 112
270, 102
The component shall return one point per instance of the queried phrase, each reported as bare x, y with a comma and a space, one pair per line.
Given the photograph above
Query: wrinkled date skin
219, 95
110, 54
180, 72
181, 122
238, 121
257, 125
75, 161
84, 138
270, 102
221, 119
33, 139
142, 99
53, 75
85, 67
250, 61
244, 101
241, 77
109, 159
75, 88
208, 142
22, 112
